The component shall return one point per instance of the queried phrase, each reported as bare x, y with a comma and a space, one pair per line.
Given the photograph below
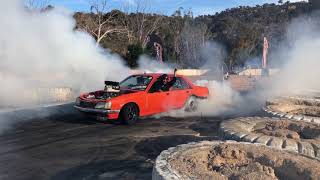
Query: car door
179, 94
156, 101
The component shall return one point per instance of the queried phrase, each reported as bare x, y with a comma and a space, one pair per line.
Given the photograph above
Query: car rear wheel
192, 104
129, 114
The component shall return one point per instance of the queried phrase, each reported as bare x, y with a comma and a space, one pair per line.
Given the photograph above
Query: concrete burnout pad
296, 117
242, 129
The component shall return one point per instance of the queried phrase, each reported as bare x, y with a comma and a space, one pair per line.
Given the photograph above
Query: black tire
191, 104
129, 114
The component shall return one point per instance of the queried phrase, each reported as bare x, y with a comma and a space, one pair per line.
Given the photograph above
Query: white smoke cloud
222, 99
300, 61
43, 50
148, 65
301, 55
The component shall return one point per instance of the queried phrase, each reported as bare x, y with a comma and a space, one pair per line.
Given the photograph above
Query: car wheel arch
191, 98
194, 96
197, 97
135, 104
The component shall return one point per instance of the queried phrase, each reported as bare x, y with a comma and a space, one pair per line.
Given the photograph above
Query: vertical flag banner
159, 51
265, 52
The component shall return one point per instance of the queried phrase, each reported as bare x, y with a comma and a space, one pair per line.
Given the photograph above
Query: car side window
155, 87
180, 84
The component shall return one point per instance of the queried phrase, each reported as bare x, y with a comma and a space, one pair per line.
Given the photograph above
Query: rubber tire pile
299, 117
243, 130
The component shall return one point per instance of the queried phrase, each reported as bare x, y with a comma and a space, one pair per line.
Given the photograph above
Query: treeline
239, 30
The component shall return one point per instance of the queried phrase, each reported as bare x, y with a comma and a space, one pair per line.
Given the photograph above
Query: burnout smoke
42, 50
148, 65
222, 100
299, 61
301, 54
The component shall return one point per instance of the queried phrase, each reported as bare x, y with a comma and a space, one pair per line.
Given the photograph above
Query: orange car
137, 96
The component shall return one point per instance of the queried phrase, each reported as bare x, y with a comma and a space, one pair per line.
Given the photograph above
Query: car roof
155, 74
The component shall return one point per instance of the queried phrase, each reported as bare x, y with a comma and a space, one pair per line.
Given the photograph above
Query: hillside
239, 30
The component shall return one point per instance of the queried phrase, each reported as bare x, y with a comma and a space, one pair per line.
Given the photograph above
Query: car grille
87, 104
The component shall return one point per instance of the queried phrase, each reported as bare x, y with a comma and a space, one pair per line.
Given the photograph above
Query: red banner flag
159, 51
265, 52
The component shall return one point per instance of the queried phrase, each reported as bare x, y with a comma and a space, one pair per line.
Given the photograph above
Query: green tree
133, 54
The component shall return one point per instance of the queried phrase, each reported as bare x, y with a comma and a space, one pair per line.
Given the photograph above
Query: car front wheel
129, 114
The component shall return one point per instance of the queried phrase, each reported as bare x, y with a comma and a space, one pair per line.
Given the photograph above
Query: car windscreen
136, 82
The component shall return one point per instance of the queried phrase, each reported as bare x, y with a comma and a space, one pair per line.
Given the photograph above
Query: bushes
133, 53
240, 30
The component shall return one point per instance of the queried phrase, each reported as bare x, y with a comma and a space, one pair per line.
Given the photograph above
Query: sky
199, 7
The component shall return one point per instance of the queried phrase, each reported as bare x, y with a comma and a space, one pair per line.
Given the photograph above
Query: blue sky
199, 7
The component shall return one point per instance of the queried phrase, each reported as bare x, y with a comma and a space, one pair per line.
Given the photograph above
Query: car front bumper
111, 114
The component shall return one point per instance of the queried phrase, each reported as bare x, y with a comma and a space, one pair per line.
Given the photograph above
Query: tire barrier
298, 117
202, 161
296, 134
245, 129
162, 169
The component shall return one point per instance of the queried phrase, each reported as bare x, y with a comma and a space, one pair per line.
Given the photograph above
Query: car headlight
103, 105
108, 105
78, 102
100, 105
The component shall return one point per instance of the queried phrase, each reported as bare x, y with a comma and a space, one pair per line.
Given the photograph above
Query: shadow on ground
151, 148
109, 169
142, 161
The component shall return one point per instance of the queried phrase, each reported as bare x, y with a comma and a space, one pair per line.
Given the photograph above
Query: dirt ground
295, 107
71, 146
239, 162
291, 129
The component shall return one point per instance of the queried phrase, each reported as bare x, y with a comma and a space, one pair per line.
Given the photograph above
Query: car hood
99, 96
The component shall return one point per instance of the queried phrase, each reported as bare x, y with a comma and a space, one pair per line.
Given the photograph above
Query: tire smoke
300, 57
43, 50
